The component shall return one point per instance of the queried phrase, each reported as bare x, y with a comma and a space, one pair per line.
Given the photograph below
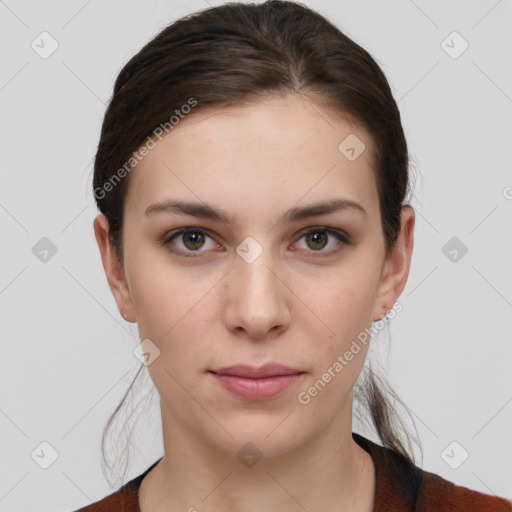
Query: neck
330, 472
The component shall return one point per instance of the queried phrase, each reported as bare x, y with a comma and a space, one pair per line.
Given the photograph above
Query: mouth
253, 383
253, 372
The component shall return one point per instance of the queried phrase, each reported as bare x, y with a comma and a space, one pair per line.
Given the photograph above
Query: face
261, 284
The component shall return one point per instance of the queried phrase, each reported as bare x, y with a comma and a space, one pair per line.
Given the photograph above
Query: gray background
67, 354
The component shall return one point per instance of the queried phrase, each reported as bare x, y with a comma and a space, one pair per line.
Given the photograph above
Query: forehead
272, 150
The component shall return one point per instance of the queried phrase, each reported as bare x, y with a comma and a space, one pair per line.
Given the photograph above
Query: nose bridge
256, 303
253, 269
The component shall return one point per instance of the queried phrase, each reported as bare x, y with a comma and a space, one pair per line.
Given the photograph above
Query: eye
318, 239
193, 239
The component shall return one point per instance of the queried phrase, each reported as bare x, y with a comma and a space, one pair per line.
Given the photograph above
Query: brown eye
319, 238
194, 238
192, 241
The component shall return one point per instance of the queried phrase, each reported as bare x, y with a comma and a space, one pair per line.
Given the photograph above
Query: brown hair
235, 53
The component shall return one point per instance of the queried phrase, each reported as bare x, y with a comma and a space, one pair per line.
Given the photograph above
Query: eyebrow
205, 211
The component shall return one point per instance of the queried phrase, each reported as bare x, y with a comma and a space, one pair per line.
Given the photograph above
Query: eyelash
342, 237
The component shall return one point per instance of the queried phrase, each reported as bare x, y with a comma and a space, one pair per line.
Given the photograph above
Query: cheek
345, 306
156, 303
174, 311
340, 356
171, 314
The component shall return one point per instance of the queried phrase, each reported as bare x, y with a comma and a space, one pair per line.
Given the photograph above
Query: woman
251, 176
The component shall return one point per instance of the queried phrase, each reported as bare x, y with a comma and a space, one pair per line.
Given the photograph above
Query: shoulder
401, 485
110, 503
437, 494
125, 499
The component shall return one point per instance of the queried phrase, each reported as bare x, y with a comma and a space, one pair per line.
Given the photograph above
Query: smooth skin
300, 303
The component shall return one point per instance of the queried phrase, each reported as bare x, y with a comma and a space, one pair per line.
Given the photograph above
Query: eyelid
343, 238
327, 229
168, 237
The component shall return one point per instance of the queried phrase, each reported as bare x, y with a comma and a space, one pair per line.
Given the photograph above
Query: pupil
315, 238
196, 239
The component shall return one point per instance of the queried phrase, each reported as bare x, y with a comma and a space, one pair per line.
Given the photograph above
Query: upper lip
267, 370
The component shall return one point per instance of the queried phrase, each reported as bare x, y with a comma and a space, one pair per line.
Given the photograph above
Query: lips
253, 372
257, 383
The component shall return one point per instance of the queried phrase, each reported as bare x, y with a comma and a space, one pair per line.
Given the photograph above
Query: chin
266, 435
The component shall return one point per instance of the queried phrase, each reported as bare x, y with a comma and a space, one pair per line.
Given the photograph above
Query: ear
396, 267
113, 269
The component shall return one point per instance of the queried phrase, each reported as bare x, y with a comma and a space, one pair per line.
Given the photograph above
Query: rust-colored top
399, 487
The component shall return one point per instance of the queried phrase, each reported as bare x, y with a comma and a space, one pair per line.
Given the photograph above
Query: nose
256, 299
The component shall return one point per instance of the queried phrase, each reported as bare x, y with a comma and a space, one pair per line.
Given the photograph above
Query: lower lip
257, 389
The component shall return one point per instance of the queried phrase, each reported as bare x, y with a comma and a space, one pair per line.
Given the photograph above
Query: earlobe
112, 267
397, 265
